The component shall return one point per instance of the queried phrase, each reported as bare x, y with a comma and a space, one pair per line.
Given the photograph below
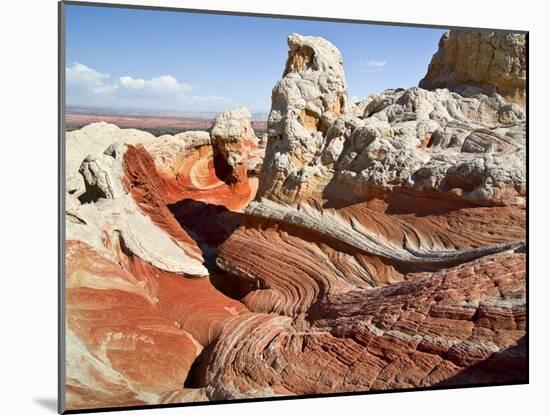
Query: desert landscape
356, 246
154, 124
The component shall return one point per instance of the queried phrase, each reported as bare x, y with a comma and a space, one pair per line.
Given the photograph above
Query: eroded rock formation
139, 308
386, 241
464, 325
417, 141
492, 61
232, 139
305, 103
384, 248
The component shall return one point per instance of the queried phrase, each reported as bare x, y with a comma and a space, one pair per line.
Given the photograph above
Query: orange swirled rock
464, 325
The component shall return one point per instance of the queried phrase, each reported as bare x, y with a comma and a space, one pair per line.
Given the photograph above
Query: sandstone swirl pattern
382, 246
140, 305
386, 240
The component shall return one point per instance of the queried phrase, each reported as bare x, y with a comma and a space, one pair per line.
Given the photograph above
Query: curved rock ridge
288, 269
352, 232
496, 61
151, 194
464, 325
116, 218
295, 257
436, 143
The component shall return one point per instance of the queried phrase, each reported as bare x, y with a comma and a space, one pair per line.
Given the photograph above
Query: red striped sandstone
464, 325
137, 318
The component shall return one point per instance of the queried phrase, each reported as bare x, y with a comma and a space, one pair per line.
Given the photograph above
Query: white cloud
372, 65
164, 85
377, 64
81, 76
86, 86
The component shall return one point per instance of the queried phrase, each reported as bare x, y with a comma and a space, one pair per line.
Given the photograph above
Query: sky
189, 62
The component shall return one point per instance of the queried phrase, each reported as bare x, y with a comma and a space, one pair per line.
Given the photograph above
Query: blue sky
159, 60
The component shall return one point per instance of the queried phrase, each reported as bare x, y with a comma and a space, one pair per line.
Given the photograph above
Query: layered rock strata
139, 308
384, 247
463, 325
386, 243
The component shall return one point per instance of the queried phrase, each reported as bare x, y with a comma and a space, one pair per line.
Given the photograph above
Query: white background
28, 203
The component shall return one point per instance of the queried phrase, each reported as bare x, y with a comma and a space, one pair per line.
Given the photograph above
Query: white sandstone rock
112, 218
470, 146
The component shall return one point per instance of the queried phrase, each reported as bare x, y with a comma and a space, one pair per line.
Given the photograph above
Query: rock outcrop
464, 325
418, 141
494, 61
139, 310
233, 139
383, 247
305, 103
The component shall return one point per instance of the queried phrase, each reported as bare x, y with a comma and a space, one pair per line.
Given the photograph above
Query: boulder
232, 140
